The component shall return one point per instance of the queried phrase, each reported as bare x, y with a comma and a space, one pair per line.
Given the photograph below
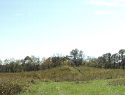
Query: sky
46, 27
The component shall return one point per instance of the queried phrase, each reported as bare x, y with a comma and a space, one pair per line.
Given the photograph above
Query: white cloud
105, 3
104, 12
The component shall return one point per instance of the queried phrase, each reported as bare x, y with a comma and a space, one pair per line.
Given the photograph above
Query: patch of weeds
117, 82
10, 89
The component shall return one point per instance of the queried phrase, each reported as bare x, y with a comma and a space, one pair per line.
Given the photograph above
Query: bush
9, 89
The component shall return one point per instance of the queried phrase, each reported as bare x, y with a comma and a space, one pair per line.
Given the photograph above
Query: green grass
75, 70
94, 87
117, 82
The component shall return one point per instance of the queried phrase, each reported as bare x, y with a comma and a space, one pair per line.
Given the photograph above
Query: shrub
9, 88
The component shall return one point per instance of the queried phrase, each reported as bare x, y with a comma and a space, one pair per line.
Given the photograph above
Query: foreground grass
94, 87
64, 76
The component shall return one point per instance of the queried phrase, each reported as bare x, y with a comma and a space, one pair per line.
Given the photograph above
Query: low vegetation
117, 82
12, 83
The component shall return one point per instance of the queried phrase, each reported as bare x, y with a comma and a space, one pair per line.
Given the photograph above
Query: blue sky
46, 27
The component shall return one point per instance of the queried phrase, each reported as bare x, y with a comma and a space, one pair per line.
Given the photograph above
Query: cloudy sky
46, 27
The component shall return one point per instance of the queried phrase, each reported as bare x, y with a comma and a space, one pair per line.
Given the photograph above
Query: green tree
100, 62
104, 56
1, 65
115, 58
109, 59
121, 52
77, 57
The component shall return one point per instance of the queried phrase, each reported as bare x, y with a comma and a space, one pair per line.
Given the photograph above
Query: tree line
109, 61
32, 63
76, 58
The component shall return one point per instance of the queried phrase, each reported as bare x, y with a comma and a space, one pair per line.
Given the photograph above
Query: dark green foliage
76, 57
109, 61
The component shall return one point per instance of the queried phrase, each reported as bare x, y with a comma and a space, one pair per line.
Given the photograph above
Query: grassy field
94, 87
64, 80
